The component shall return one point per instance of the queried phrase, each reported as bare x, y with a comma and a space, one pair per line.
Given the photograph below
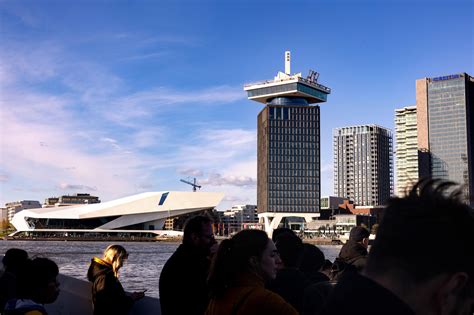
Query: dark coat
290, 284
354, 254
8, 288
358, 295
108, 295
316, 296
183, 282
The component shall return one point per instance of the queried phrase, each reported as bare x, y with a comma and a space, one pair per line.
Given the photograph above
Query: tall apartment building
288, 179
363, 169
406, 148
445, 110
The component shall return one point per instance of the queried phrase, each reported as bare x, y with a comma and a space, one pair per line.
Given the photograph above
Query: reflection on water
141, 270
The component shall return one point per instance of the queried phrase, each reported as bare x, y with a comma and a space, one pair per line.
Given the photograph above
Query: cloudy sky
115, 98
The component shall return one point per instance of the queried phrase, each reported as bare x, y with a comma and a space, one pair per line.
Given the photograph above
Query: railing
319, 86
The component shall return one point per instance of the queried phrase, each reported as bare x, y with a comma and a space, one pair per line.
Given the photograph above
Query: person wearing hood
108, 295
354, 252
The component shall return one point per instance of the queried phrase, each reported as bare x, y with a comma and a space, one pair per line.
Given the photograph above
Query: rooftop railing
314, 84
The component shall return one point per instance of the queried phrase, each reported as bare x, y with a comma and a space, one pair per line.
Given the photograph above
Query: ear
194, 238
253, 261
449, 290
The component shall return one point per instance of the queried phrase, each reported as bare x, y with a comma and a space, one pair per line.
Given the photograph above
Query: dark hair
290, 247
416, 230
313, 258
358, 233
36, 277
233, 258
14, 259
194, 225
279, 231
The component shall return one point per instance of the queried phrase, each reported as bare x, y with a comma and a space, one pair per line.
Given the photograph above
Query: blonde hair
115, 255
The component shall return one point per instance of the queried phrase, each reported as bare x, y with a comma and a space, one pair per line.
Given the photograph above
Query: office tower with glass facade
288, 179
445, 107
406, 148
363, 164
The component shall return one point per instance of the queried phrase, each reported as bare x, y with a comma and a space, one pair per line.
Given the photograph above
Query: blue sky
115, 98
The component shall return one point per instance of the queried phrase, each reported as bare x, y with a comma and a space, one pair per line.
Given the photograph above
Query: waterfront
141, 270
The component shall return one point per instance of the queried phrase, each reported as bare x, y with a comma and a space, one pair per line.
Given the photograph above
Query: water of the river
140, 271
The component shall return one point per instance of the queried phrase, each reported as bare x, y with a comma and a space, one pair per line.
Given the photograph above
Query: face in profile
270, 261
205, 240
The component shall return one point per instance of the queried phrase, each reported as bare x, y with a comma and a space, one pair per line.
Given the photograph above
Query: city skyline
117, 99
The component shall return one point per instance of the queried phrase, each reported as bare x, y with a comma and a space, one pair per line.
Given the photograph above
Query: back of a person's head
115, 255
234, 258
279, 231
290, 247
358, 233
35, 279
194, 225
14, 259
313, 258
425, 233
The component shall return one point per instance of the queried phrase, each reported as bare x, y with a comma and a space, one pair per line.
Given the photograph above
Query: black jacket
358, 295
354, 254
290, 284
108, 295
183, 282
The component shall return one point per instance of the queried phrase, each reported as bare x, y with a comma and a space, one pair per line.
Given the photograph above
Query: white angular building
144, 212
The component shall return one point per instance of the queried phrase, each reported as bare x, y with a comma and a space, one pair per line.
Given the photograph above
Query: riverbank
97, 239
171, 239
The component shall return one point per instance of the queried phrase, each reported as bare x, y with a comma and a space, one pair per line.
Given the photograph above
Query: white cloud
190, 172
232, 180
76, 187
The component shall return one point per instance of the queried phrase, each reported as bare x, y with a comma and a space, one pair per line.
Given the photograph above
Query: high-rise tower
445, 115
288, 181
406, 149
363, 164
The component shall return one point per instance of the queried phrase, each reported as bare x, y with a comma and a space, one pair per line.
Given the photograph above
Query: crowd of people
422, 262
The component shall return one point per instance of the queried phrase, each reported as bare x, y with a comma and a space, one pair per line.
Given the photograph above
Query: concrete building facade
75, 199
363, 170
445, 109
406, 148
16, 206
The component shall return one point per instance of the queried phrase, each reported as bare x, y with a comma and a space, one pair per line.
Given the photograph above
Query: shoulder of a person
272, 303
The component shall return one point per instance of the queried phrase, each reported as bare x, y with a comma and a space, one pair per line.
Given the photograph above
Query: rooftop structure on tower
287, 88
288, 180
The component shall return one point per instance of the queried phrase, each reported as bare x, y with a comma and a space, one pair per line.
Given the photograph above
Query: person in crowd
422, 259
316, 293
312, 263
13, 261
290, 282
108, 295
240, 269
326, 268
354, 251
37, 286
183, 280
